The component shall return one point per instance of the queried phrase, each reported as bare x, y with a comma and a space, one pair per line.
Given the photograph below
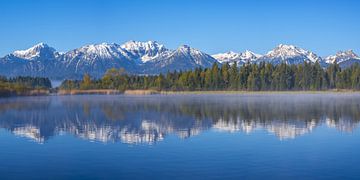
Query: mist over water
56, 83
235, 133
147, 119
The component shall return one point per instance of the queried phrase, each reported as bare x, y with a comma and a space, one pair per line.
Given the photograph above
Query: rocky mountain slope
148, 57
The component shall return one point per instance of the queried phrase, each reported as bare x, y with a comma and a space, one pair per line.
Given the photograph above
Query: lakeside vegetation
24, 85
249, 77
263, 77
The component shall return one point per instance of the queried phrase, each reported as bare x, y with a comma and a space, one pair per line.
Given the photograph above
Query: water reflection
148, 119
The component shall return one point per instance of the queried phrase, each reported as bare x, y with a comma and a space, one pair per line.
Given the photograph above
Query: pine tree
254, 81
355, 77
208, 79
234, 77
225, 75
332, 71
243, 76
215, 77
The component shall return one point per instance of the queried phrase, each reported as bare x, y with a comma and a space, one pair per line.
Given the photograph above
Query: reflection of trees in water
150, 118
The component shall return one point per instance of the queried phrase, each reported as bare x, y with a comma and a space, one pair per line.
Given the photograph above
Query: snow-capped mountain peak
228, 57
183, 58
286, 46
283, 50
239, 58
103, 50
148, 57
186, 50
249, 55
137, 45
145, 51
342, 56
191, 55
290, 54
35, 51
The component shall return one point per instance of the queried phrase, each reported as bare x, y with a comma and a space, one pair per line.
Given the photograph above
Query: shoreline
155, 92
257, 92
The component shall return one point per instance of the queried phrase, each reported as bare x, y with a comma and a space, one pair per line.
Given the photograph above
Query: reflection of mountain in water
282, 129
150, 118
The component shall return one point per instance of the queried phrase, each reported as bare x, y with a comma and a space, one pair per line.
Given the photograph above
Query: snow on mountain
248, 55
95, 59
182, 58
145, 51
148, 57
195, 56
239, 58
342, 56
136, 57
289, 54
99, 51
227, 57
40, 50
38, 60
281, 54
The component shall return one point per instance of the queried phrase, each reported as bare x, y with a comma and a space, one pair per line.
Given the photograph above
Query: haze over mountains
148, 57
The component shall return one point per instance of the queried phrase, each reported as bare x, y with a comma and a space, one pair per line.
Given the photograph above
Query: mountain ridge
149, 57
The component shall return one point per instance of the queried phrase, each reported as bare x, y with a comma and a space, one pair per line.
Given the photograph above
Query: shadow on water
147, 119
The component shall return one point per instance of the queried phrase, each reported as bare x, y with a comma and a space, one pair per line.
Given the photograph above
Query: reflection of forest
150, 118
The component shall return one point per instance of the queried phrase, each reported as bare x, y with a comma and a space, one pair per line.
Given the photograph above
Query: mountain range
148, 57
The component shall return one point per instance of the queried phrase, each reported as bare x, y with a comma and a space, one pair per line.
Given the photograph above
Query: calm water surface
283, 136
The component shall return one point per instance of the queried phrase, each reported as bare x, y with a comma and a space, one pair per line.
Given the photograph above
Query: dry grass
38, 92
91, 91
259, 92
151, 92
141, 92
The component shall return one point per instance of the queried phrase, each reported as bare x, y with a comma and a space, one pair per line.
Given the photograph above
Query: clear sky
322, 26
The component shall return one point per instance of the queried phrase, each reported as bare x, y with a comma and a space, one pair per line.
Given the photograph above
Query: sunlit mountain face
150, 57
149, 119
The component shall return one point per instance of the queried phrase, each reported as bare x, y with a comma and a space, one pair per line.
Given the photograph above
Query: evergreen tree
254, 81
332, 71
215, 77
263, 76
234, 77
225, 74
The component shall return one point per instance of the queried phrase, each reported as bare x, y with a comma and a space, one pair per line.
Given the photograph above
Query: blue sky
211, 26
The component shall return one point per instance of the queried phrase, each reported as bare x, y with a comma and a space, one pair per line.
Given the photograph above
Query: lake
251, 136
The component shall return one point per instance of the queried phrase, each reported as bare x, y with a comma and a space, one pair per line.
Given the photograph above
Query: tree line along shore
249, 77
224, 78
24, 86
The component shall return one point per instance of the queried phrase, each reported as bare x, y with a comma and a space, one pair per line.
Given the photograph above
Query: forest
23, 85
247, 77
